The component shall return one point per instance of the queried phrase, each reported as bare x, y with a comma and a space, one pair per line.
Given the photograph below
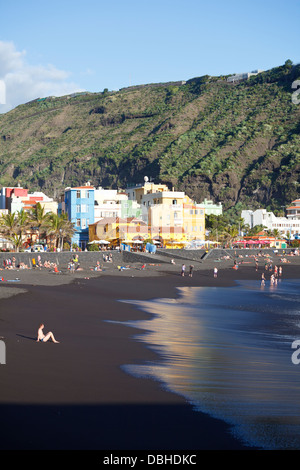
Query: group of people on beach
10, 263
274, 275
107, 258
191, 269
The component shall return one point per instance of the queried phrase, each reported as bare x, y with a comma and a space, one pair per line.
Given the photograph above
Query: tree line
22, 227
227, 228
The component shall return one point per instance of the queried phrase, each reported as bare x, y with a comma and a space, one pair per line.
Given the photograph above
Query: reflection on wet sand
228, 351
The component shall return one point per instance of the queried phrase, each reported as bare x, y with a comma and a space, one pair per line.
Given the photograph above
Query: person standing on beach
215, 272
182, 270
191, 270
43, 338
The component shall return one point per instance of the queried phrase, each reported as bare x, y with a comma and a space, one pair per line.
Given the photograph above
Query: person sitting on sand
98, 266
43, 338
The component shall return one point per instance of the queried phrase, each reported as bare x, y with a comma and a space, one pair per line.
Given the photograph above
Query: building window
78, 208
83, 223
77, 222
84, 208
78, 194
174, 201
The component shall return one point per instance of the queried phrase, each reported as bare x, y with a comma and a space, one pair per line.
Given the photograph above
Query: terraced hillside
236, 143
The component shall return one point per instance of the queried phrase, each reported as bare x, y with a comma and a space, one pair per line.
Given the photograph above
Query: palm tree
256, 229
12, 226
60, 227
67, 230
274, 233
230, 233
39, 219
23, 223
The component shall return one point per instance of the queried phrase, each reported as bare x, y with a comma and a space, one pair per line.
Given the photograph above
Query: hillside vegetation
235, 143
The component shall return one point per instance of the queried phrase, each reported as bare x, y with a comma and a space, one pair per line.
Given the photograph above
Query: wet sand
74, 395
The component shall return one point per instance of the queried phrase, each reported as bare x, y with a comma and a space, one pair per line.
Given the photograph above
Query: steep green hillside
235, 143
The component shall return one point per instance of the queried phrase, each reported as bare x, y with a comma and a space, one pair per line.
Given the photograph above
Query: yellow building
118, 230
172, 212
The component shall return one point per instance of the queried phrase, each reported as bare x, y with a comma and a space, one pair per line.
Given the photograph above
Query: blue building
79, 205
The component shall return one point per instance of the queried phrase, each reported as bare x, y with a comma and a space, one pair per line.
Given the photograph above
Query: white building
243, 76
293, 211
108, 203
284, 225
113, 203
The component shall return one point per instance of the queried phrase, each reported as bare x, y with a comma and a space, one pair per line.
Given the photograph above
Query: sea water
229, 352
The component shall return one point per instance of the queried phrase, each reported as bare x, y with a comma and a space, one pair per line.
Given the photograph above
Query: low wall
89, 258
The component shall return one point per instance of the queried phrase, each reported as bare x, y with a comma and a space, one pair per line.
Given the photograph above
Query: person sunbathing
43, 338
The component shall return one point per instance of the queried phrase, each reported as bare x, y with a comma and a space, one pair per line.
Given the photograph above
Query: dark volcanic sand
74, 395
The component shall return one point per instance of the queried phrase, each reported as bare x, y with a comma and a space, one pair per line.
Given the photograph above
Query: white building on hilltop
237, 77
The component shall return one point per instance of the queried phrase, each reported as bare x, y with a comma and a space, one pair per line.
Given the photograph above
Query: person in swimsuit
43, 338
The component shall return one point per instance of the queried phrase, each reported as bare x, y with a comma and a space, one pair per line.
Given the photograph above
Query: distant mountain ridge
237, 143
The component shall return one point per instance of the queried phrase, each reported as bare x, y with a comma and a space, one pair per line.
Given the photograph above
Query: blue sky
63, 46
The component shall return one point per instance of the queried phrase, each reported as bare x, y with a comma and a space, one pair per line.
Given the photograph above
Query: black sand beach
74, 395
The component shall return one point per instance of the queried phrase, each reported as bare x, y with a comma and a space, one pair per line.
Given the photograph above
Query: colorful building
16, 199
211, 208
79, 205
172, 212
117, 230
